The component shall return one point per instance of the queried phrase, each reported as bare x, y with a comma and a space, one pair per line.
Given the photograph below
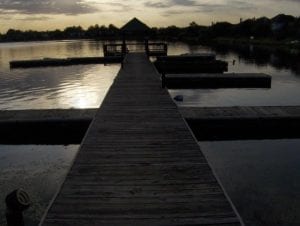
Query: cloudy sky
51, 14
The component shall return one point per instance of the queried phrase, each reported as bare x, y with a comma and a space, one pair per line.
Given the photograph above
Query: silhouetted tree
281, 27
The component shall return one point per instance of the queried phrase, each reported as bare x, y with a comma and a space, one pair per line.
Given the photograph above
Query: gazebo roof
135, 25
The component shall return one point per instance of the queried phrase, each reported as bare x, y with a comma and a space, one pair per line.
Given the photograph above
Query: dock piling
16, 202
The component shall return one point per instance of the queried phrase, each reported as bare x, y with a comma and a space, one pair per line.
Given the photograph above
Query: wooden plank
139, 164
212, 81
233, 123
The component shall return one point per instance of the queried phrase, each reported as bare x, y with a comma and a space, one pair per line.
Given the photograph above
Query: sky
58, 14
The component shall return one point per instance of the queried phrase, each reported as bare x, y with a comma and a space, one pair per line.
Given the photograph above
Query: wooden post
163, 80
166, 49
124, 46
147, 46
105, 49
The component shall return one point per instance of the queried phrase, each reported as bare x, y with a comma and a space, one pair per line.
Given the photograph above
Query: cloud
67, 7
34, 18
176, 7
297, 1
116, 6
156, 5
184, 2
170, 3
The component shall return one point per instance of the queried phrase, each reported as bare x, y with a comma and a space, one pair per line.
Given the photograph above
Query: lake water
261, 177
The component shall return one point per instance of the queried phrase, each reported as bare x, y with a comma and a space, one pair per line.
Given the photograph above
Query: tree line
280, 27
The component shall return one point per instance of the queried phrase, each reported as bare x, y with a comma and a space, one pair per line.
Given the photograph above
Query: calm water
53, 87
261, 177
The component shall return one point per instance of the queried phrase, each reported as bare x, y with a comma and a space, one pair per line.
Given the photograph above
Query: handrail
151, 49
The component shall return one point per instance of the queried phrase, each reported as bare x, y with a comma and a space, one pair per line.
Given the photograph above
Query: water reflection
285, 80
261, 177
55, 49
278, 58
53, 87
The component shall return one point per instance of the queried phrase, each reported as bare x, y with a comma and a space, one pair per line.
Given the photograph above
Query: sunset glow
52, 14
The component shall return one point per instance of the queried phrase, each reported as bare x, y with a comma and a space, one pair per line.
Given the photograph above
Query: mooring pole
16, 202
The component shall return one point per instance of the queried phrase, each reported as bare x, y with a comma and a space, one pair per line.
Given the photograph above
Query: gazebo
136, 30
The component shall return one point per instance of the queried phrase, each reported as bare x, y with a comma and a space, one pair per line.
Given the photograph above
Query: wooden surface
68, 126
209, 81
46, 115
47, 127
54, 62
139, 164
151, 49
233, 123
187, 58
241, 112
187, 66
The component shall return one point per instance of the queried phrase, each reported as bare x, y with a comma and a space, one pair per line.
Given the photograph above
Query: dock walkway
139, 164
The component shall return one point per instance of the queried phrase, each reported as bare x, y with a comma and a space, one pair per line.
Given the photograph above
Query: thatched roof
135, 25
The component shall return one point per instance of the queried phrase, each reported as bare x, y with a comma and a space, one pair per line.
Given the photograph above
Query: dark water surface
261, 177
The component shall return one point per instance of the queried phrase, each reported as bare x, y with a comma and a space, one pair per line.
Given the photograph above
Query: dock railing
151, 49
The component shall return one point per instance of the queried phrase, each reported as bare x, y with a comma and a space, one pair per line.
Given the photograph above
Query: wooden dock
49, 126
213, 81
202, 63
121, 49
139, 163
234, 123
68, 126
54, 62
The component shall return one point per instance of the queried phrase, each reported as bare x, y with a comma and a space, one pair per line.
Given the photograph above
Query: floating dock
68, 126
54, 62
139, 163
51, 126
201, 63
213, 81
201, 57
234, 123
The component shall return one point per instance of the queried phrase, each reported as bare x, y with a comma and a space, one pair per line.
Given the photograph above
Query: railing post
105, 49
124, 47
166, 48
163, 80
147, 47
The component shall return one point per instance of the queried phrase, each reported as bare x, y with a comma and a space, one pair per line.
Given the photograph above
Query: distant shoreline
293, 44
286, 44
